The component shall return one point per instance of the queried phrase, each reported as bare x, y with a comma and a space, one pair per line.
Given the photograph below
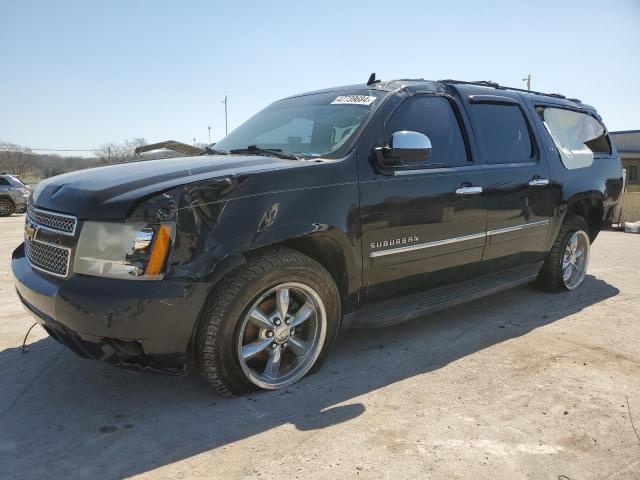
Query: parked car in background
358, 206
13, 195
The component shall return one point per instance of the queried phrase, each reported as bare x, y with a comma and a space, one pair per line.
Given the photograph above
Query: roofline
624, 131
387, 86
497, 86
342, 88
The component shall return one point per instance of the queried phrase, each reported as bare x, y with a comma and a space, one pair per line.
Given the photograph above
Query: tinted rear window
502, 133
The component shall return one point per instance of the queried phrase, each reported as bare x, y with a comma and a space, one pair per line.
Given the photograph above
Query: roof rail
489, 83
486, 83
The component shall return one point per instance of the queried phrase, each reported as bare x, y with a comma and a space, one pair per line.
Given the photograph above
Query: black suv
358, 206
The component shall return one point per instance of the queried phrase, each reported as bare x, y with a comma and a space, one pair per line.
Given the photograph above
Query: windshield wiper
255, 150
213, 151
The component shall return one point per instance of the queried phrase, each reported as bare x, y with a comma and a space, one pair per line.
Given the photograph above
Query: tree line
21, 161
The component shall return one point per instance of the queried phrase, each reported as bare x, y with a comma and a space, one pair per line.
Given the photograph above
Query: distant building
628, 145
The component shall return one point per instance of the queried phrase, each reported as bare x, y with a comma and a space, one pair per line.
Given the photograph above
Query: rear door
423, 227
519, 202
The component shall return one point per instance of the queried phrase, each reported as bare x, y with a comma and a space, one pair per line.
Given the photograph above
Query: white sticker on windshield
353, 100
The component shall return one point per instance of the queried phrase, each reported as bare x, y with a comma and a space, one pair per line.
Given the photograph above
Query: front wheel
566, 266
268, 324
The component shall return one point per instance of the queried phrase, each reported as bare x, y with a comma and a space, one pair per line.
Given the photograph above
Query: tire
551, 277
6, 207
227, 322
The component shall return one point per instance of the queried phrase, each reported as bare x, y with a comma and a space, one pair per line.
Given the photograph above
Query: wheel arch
327, 252
326, 247
8, 197
330, 249
591, 208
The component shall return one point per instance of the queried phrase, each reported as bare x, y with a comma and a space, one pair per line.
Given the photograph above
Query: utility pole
226, 127
528, 80
209, 127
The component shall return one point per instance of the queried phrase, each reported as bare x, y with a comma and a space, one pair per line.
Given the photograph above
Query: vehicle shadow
64, 417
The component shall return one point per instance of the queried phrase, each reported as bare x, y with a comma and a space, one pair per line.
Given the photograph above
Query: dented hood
109, 192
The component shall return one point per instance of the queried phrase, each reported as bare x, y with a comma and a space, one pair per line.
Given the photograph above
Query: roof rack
484, 83
489, 83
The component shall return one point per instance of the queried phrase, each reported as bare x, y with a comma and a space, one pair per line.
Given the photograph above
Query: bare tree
119, 152
15, 159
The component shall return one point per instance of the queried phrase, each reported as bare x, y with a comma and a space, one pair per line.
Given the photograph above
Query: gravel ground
519, 385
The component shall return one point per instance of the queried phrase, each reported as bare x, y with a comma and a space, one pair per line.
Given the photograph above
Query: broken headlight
135, 251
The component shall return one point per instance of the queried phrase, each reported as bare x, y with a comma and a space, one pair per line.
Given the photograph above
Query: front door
520, 203
423, 227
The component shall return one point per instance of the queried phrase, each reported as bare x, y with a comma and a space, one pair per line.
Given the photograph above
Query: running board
397, 310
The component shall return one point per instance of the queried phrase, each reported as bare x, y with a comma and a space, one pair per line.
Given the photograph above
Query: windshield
314, 125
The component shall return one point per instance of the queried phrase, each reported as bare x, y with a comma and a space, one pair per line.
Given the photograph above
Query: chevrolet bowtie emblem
30, 232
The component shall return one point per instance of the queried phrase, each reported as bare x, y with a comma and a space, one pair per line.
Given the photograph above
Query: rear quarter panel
602, 180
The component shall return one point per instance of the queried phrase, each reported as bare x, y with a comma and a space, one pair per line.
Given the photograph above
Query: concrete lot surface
520, 385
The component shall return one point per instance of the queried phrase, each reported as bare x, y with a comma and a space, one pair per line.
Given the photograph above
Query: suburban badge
394, 242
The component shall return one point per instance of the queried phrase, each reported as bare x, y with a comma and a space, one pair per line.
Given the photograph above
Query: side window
502, 133
434, 117
579, 137
4, 182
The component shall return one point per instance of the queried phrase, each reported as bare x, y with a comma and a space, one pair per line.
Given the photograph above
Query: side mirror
405, 149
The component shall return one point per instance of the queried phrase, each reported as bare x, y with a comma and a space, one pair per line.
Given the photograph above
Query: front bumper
145, 324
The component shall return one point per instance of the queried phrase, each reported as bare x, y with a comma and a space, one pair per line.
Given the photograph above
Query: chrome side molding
447, 241
420, 246
524, 226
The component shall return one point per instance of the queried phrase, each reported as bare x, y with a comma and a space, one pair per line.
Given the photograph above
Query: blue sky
77, 74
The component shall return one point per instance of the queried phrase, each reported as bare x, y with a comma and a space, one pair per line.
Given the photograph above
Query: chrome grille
51, 254
49, 258
54, 221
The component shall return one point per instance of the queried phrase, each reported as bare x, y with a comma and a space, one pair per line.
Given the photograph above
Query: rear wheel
568, 260
6, 207
268, 324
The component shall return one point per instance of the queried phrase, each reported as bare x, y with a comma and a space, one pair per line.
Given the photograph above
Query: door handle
469, 190
539, 182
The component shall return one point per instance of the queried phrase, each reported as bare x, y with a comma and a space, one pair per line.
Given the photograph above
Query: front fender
213, 239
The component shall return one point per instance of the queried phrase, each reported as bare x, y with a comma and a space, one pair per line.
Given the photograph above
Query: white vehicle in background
13, 195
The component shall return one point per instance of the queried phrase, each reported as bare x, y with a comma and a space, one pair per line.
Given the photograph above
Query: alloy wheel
282, 335
5, 208
575, 260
